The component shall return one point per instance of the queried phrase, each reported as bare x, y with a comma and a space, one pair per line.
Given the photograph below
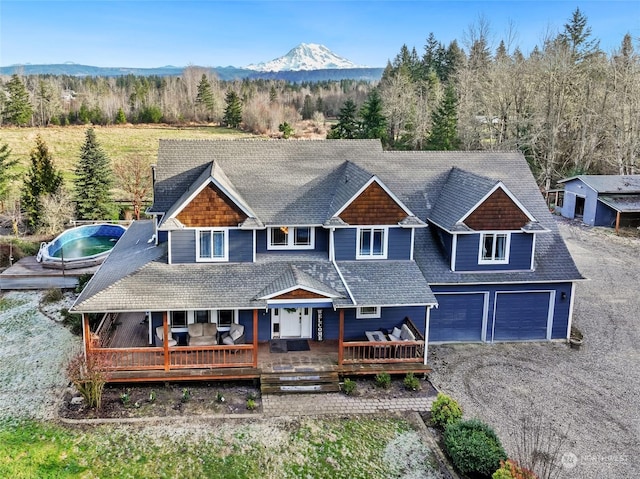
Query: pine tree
347, 126
444, 134
307, 108
92, 184
42, 179
205, 98
374, 123
121, 118
17, 109
6, 173
233, 112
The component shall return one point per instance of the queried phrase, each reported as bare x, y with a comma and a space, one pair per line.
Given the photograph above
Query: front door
294, 322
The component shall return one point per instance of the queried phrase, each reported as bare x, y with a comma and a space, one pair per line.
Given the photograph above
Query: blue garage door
521, 316
458, 317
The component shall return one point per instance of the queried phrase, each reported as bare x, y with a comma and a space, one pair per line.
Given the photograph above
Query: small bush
219, 397
251, 404
52, 295
349, 387
125, 399
72, 321
510, 469
445, 410
186, 395
383, 380
82, 282
411, 382
89, 377
474, 448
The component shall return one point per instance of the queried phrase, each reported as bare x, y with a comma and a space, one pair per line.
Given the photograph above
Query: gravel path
33, 353
591, 394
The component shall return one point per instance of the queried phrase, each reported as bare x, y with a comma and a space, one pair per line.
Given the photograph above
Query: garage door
520, 316
458, 317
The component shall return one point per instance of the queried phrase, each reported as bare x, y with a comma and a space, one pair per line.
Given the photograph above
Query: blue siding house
602, 200
369, 255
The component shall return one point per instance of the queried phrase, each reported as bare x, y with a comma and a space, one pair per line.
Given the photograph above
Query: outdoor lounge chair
235, 335
160, 335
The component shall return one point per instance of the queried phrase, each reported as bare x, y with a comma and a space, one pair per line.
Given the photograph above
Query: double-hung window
494, 248
364, 312
291, 237
372, 243
211, 245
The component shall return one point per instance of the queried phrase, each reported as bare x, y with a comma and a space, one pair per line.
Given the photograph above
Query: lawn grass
118, 142
311, 448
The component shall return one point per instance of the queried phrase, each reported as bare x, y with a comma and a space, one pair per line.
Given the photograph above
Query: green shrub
89, 377
72, 321
349, 387
474, 448
186, 395
445, 410
383, 380
411, 382
82, 282
125, 398
251, 404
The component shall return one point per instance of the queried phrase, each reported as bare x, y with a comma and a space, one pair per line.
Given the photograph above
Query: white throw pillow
235, 333
228, 340
396, 333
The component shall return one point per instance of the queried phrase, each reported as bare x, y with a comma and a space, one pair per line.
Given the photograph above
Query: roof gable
210, 207
296, 284
497, 212
373, 204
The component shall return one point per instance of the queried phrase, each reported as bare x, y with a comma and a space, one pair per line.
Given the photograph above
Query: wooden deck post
618, 223
165, 340
86, 333
340, 338
255, 338
426, 334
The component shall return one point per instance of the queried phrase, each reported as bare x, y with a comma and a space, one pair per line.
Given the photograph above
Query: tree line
570, 107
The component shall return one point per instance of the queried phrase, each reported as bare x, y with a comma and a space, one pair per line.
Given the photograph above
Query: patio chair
235, 335
160, 335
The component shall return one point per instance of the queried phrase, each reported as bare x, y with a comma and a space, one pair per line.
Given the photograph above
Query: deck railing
180, 357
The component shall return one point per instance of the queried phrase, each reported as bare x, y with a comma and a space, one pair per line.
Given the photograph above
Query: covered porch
121, 344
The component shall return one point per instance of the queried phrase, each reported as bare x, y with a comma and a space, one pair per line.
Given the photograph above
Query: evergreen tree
307, 108
286, 130
374, 123
233, 112
42, 179
576, 36
121, 118
17, 108
6, 173
273, 94
347, 126
205, 98
444, 134
92, 184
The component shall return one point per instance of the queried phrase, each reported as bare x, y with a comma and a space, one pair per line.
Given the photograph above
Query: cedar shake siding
374, 206
497, 213
300, 294
211, 207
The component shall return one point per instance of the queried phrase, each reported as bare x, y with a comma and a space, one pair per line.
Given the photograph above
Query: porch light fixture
563, 295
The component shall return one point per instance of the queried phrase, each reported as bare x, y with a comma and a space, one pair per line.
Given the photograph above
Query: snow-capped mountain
306, 56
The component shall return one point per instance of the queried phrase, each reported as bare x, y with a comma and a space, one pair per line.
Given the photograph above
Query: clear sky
151, 33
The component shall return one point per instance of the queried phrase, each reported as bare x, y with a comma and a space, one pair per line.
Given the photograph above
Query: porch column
340, 338
617, 222
165, 340
255, 338
86, 335
426, 335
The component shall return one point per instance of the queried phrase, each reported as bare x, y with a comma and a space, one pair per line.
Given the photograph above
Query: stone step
299, 382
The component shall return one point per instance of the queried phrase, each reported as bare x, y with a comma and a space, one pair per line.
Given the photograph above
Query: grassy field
310, 448
118, 141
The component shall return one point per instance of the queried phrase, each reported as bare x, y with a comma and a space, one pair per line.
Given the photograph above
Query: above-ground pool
80, 247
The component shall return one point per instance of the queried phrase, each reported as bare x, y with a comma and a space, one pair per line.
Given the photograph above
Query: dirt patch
367, 388
170, 399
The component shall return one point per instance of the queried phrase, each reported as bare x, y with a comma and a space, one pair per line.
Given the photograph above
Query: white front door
294, 322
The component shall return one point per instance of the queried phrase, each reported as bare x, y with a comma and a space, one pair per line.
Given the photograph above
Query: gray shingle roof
622, 203
296, 182
386, 283
609, 183
292, 277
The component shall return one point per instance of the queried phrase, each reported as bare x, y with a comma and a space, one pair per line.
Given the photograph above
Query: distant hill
224, 73
306, 56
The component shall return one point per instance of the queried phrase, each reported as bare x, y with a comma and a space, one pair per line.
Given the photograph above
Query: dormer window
372, 243
212, 245
291, 237
494, 248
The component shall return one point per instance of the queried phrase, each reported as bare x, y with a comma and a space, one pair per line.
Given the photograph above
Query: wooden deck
27, 273
123, 343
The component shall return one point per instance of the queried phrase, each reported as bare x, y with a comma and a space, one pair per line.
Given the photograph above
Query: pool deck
27, 273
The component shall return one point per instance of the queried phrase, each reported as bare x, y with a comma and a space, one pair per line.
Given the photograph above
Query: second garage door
458, 317
521, 316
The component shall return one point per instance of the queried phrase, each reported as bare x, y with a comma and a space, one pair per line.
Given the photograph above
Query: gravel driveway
592, 394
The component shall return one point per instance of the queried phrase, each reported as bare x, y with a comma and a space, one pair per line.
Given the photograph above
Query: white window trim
290, 238
226, 245
215, 315
362, 315
507, 248
385, 241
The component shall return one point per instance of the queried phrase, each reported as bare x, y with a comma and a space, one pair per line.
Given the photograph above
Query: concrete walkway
274, 405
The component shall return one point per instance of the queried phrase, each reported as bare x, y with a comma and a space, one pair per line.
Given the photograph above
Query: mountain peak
306, 56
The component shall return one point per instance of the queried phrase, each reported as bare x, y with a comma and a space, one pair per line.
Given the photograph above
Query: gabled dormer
368, 221
210, 222
483, 226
